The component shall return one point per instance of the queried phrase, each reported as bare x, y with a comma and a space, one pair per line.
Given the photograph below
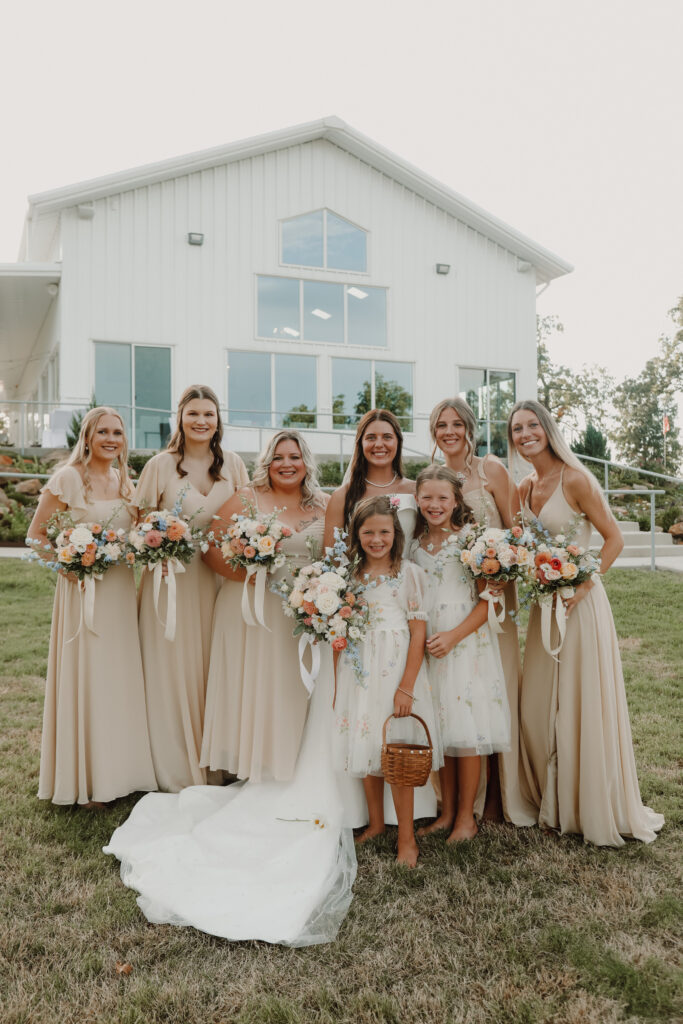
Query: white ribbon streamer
260, 572
309, 678
86, 596
546, 604
173, 566
495, 620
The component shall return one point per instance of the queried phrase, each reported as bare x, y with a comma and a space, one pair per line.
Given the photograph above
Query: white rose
279, 561
332, 580
354, 632
552, 574
112, 551
327, 602
560, 539
265, 545
506, 558
80, 538
145, 527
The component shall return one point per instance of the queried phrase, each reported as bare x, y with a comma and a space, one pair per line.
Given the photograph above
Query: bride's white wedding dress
247, 861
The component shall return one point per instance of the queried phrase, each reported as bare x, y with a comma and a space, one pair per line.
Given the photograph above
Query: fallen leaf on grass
123, 968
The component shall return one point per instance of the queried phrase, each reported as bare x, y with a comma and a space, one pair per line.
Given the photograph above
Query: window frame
324, 268
373, 392
273, 411
132, 345
486, 370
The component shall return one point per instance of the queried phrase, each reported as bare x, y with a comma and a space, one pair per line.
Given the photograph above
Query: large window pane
346, 245
302, 240
295, 391
278, 308
394, 390
249, 392
367, 315
113, 380
152, 396
473, 390
351, 391
501, 394
324, 312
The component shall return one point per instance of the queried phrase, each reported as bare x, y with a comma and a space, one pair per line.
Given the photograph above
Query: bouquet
326, 598
254, 542
164, 538
85, 549
493, 554
559, 566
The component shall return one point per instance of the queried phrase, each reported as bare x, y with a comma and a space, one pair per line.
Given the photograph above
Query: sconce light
523, 266
52, 289
195, 238
443, 268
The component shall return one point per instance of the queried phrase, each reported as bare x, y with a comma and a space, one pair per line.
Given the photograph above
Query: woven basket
406, 764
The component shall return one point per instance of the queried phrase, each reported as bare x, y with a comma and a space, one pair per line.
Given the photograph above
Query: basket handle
411, 715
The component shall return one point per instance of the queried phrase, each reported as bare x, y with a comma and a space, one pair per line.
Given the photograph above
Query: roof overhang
336, 131
27, 291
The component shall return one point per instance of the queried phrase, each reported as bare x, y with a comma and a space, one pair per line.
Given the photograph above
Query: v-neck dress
94, 742
518, 806
575, 730
256, 703
176, 671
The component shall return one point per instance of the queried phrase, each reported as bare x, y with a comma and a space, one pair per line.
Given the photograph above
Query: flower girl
389, 677
465, 671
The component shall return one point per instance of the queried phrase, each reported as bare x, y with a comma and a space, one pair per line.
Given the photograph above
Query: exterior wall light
195, 238
443, 268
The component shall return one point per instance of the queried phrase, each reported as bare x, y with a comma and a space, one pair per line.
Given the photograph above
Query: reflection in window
278, 308
136, 380
271, 390
323, 239
320, 311
491, 394
359, 385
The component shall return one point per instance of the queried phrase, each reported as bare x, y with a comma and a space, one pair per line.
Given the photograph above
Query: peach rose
130, 558
490, 566
96, 528
88, 558
175, 530
309, 608
345, 612
339, 643
67, 554
286, 532
572, 549
153, 539
308, 620
517, 531
569, 571
249, 551
350, 599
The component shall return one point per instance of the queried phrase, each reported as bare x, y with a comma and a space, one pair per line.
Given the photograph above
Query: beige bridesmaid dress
176, 671
256, 703
517, 804
575, 731
95, 745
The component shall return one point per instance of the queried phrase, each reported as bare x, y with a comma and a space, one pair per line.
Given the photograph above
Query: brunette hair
461, 514
176, 443
466, 414
380, 505
82, 450
311, 495
358, 467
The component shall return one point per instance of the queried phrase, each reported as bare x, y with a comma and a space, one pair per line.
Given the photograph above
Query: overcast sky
561, 117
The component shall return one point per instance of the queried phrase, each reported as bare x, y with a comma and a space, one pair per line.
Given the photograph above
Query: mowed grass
517, 926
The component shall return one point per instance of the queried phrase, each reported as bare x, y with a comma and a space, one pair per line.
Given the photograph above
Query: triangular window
323, 239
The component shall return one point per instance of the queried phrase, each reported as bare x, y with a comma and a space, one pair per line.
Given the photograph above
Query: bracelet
401, 690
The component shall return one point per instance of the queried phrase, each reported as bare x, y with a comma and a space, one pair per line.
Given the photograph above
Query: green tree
299, 416
578, 398
74, 428
592, 442
389, 394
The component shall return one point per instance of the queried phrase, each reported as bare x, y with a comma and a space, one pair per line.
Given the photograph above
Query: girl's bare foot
463, 830
370, 832
408, 852
439, 824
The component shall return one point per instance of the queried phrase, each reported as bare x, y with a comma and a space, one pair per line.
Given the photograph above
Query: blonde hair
82, 451
466, 414
311, 495
461, 514
556, 442
379, 505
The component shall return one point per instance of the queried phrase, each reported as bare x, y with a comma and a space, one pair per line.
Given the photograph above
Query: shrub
138, 460
13, 521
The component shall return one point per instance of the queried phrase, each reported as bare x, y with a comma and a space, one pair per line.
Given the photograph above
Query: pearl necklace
373, 484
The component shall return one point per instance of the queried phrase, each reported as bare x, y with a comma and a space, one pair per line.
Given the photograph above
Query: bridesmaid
490, 492
256, 703
94, 746
575, 731
196, 466
376, 468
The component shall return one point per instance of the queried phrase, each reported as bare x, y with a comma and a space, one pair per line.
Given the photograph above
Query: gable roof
336, 131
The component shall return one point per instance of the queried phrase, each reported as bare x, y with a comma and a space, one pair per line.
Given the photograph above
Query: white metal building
305, 275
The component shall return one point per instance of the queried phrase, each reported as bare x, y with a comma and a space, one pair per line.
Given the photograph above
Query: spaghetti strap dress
518, 806
176, 670
575, 731
95, 745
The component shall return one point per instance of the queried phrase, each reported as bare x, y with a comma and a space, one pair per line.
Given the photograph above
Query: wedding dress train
271, 860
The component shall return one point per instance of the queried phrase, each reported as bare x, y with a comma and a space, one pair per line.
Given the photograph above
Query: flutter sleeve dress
575, 730
176, 671
95, 745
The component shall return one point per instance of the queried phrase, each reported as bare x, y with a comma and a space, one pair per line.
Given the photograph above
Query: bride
258, 859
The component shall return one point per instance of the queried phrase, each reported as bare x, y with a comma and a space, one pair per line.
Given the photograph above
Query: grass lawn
517, 926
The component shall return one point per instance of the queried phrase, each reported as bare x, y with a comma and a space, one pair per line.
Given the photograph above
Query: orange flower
96, 528
339, 643
249, 551
309, 608
350, 598
176, 530
491, 552
490, 566
88, 557
130, 557
541, 557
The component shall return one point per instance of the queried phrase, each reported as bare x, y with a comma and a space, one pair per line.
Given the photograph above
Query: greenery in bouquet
252, 540
493, 554
163, 536
558, 563
84, 549
327, 600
